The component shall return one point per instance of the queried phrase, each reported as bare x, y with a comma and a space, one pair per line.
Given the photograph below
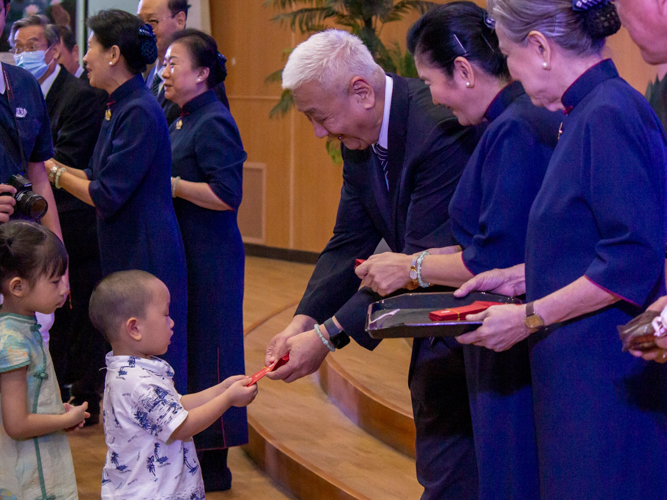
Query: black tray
410, 318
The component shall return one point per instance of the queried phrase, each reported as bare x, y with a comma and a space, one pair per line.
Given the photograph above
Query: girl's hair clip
222, 59
583, 5
489, 21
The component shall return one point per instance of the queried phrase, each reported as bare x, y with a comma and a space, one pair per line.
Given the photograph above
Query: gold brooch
179, 124
107, 115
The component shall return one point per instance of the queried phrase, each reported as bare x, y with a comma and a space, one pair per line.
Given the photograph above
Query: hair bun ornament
223, 67
602, 20
148, 44
582, 5
489, 21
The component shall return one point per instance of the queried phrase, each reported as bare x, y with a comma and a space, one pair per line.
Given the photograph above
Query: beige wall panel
629, 60
267, 141
253, 45
317, 183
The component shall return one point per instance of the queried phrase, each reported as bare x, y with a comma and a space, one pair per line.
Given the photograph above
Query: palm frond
307, 19
284, 106
333, 148
275, 77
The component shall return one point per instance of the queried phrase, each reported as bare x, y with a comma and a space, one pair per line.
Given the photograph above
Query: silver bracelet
324, 341
174, 182
420, 261
56, 180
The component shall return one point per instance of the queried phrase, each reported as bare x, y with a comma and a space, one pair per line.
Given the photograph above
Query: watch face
413, 274
534, 321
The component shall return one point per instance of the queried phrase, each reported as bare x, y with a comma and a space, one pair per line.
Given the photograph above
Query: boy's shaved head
119, 297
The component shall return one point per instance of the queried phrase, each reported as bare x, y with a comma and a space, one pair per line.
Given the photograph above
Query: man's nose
320, 131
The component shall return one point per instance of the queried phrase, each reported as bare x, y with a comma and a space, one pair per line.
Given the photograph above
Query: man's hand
510, 281
306, 354
277, 347
386, 272
7, 202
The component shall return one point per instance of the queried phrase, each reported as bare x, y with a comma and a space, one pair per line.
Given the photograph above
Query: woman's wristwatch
533, 320
337, 337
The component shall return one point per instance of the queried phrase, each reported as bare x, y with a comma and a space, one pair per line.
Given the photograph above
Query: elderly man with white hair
403, 157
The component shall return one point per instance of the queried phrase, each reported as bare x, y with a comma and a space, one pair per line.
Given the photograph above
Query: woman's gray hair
332, 58
555, 19
50, 31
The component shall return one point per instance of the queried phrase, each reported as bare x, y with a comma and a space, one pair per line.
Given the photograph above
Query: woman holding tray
457, 55
595, 252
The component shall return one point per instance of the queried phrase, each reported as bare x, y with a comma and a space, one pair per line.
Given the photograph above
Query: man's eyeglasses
155, 22
30, 48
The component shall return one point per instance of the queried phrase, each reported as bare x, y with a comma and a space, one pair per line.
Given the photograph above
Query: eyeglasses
30, 48
155, 22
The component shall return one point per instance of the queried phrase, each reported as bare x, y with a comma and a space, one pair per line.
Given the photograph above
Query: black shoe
216, 474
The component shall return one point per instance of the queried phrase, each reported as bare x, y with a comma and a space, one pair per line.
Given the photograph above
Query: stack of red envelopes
460, 313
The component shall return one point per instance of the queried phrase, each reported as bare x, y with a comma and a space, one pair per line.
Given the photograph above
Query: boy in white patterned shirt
148, 426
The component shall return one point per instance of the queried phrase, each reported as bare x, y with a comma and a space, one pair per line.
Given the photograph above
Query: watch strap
336, 336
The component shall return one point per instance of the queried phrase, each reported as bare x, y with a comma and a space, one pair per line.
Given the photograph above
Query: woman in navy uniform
457, 55
207, 167
595, 254
128, 178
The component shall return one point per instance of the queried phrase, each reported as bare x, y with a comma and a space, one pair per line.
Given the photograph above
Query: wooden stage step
371, 388
307, 444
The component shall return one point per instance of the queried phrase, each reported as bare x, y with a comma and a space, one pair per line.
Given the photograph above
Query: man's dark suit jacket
428, 151
76, 115
171, 110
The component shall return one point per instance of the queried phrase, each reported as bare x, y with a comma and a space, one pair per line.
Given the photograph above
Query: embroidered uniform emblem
21, 112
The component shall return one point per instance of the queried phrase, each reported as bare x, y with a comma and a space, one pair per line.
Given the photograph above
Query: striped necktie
155, 86
383, 156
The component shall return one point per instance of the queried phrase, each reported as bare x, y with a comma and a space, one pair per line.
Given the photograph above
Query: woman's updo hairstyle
579, 26
204, 53
28, 251
135, 39
458, 29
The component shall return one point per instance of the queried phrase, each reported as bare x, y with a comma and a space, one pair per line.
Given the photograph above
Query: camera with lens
28, 203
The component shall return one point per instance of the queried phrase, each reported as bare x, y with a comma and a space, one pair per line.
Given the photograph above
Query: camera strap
12, 109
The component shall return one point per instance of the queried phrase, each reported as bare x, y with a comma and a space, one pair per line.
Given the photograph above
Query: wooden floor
270, 286
343, 433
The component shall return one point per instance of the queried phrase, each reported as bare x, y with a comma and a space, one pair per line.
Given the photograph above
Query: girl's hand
510, 281
240, 393
502, 327
77, 416
386, 272
227, 383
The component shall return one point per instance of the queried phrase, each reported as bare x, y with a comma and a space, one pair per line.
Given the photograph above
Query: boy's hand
227, 383
77, 416
240, 394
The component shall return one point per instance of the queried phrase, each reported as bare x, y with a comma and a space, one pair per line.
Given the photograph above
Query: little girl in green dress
36, 462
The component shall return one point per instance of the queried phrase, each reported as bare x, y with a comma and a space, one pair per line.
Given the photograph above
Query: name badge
21, 112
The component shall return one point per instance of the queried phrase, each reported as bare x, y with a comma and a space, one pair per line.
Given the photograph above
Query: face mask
33, 62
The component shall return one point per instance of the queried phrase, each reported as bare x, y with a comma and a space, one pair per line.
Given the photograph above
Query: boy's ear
17, 286
133, 329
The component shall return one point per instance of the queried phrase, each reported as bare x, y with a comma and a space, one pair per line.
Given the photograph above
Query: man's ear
181, 19
363, 91
56, 52
133, 329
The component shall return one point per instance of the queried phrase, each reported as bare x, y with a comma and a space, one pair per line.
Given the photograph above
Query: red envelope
460, 313
358, 262
276, 364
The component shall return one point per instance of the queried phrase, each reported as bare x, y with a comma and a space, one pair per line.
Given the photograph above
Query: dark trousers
501, 404
78, 349
446, 464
